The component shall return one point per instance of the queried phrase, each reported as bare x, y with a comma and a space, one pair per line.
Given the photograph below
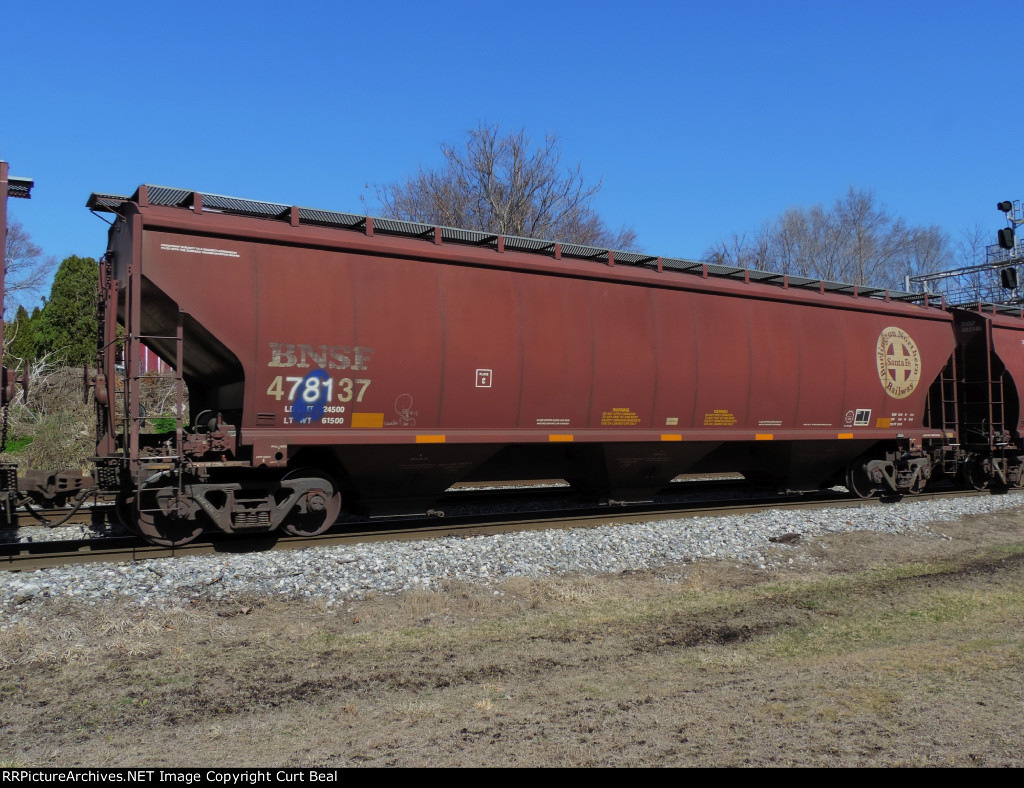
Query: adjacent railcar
989, 370
338, 361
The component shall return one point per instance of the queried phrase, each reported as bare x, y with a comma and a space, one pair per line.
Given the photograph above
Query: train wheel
161, 515
857, 481
322, 504
1017, 472
975, 475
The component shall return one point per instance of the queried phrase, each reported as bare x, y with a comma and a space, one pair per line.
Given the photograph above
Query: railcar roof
185, 198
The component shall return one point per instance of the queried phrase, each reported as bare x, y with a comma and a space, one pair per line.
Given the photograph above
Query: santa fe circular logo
899, 362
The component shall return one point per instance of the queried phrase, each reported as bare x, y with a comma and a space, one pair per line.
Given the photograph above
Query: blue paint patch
305, 411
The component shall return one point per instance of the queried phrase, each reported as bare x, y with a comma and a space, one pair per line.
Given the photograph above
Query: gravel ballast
335, 575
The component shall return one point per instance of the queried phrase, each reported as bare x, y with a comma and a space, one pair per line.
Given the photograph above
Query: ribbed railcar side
398, 363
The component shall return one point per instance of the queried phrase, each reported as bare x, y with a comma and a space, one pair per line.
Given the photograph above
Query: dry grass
54, 427
895, 651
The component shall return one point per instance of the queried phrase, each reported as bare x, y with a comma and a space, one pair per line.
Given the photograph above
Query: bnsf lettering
322, 356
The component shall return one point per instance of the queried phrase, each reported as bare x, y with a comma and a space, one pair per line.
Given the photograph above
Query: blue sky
703, 118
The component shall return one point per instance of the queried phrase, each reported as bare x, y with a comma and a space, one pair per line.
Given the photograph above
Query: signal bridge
999, 282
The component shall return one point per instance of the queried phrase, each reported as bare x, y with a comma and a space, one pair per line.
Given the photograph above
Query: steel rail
36, 555
103, 513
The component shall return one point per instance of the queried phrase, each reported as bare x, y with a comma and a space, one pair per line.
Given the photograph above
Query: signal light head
1005, 206
1006, 239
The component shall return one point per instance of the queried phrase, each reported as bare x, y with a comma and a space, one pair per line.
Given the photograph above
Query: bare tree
502, 183
26, 270
872, 237
970, 251
741, 251
857, 241
928, 251
807, 243
971, 245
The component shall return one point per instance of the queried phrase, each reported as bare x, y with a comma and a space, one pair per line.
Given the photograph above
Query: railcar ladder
950, 407
948, 385
135, 417
997, 413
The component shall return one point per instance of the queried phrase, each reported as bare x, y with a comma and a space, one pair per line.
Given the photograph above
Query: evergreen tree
20, 337
67, 323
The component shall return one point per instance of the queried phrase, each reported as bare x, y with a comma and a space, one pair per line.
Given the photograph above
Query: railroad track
25, 556
101, 513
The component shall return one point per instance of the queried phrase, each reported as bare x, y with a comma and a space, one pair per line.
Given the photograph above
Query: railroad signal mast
10, 186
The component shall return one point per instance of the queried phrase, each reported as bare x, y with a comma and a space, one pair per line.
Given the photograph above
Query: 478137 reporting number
312, 389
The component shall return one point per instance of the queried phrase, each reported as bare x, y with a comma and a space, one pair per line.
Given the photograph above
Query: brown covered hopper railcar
337, 361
